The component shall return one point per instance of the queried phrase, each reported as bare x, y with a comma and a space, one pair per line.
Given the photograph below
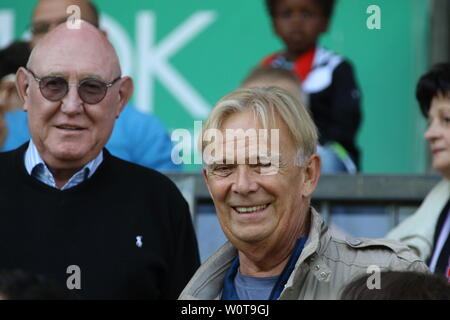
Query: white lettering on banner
6, 27
121, 42
153, 61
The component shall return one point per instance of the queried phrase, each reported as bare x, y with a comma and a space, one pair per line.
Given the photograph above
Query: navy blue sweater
96, 226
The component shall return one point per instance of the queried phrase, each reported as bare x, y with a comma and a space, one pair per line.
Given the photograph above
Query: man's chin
442, 168
67, 158
250, 235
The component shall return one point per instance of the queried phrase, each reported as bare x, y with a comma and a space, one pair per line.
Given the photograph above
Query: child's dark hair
399, 285
326, 5
433, 83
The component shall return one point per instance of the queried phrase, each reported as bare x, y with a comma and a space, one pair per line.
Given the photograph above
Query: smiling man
279, 247
67, 204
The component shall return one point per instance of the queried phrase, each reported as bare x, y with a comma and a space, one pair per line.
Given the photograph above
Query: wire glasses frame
90, 90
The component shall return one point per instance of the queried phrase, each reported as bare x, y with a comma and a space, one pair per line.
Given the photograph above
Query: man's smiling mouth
251, 209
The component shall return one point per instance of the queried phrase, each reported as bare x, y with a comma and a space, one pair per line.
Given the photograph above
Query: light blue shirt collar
37, 168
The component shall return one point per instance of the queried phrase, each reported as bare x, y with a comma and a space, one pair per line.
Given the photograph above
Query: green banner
185, 55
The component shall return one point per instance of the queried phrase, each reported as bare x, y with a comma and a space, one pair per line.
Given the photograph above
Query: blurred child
328, 79
268, 76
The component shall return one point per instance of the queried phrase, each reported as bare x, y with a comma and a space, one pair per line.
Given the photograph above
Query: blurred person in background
267, 76
327, 78
11, 58
427, 230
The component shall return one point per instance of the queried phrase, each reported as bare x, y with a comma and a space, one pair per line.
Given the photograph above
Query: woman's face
438, 134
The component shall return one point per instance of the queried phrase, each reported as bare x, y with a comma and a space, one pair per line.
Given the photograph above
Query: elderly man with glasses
137, 137
69, 210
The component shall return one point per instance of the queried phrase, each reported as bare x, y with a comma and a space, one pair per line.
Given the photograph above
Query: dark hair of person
434, 83
399, 285
14, 56
326, 5
19, 285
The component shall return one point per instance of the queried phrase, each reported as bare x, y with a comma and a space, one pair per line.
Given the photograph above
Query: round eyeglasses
90, 90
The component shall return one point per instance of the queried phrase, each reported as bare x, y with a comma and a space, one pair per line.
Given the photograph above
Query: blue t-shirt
230, 290
253, 288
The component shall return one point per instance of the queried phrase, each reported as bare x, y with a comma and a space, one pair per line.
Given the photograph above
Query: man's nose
245, 181
297, 20
72, 104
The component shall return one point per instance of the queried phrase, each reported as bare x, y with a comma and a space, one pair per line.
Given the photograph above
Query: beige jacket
417, 231
325, 265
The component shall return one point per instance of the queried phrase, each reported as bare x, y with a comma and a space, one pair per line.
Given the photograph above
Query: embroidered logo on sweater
139, 241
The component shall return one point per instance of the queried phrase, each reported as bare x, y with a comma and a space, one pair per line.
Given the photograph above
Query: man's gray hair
266, 103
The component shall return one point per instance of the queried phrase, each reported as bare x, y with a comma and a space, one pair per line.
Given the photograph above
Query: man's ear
125, 93
205, 178
22, 86
312, 175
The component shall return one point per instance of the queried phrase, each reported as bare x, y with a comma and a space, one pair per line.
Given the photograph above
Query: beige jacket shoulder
326, 264
417, 231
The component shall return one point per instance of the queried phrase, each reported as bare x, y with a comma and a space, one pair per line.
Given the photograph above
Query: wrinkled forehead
241, 137
84, 50
241, 146
251, 121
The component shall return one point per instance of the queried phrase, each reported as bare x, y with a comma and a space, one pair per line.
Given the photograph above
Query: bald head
87, 43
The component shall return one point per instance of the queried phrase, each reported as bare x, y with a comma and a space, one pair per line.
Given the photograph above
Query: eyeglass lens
91, 91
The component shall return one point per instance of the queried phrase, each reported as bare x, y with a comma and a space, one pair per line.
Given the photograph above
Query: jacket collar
311, 259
